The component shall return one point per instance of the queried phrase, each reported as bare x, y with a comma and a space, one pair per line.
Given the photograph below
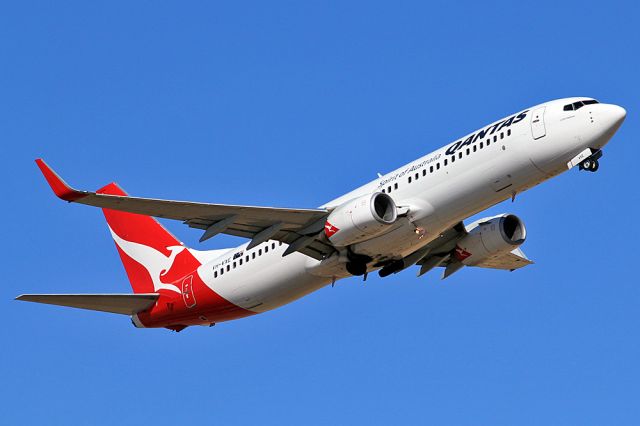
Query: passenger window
259, 252
273, 246
488, 142
508, 132
234, 265
253, 255
430, 169
438, 165
417, 176
395, 185
424, 172
445, 161
481, 145
222, 271
453, 158
495, 138
468, 151
228, 268
475, 148
246, 259
240, 261
501, 135
460, 155
215, 274
409, 179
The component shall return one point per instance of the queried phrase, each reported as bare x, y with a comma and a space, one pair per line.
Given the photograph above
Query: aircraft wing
301, 229
127, 304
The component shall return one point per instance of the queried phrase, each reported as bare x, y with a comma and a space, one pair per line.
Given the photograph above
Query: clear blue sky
291, 104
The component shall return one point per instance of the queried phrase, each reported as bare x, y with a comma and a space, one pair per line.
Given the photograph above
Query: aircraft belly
267, 283
394, 244
480, 188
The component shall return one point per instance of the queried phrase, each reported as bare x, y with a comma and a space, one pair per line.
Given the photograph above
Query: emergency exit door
537, 123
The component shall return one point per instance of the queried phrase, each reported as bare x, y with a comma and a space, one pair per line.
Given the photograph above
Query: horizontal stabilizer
127, 304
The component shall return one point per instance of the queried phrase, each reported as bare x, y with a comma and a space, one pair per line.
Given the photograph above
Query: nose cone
613, 116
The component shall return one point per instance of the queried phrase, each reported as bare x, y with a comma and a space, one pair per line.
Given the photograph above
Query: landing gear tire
590, 165
356, 268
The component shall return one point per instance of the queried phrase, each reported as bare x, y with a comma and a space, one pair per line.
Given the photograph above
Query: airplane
413, 215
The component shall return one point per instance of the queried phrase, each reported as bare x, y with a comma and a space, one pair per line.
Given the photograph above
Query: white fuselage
511, 159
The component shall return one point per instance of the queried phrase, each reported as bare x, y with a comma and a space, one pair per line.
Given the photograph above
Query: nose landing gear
590, 163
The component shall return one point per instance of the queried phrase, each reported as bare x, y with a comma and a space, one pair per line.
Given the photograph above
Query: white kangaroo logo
156, 263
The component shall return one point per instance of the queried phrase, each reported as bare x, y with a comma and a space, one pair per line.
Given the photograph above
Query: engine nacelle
490, 237
361, 218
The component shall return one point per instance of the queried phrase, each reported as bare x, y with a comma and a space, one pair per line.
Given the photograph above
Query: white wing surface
300, 228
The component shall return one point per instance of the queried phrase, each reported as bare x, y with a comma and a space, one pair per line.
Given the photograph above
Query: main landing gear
357, 268
590, 163
357, 264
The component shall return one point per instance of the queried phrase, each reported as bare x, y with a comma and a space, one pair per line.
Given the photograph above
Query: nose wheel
590, 163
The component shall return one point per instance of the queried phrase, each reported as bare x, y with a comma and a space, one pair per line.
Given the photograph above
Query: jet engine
490, 237
361, 218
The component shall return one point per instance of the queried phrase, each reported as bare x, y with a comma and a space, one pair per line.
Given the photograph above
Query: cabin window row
389, 189
248, 257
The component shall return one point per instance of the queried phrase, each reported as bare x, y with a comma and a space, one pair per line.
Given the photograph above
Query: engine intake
360, 219
489, 238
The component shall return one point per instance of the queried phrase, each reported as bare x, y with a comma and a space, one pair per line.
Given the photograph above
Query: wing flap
126, 304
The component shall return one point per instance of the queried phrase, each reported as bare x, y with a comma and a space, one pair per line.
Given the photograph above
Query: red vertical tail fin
153, 258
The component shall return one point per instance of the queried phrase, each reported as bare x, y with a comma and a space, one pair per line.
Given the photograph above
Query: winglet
57, 184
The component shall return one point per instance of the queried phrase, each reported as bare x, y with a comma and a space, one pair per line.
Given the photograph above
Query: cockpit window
577, 105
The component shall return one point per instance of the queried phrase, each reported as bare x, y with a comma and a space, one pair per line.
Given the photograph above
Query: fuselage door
537, 123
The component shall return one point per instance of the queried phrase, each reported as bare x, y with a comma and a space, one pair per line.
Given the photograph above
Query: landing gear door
537, 123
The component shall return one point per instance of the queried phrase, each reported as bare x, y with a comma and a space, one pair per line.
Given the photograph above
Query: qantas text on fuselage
411, 216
